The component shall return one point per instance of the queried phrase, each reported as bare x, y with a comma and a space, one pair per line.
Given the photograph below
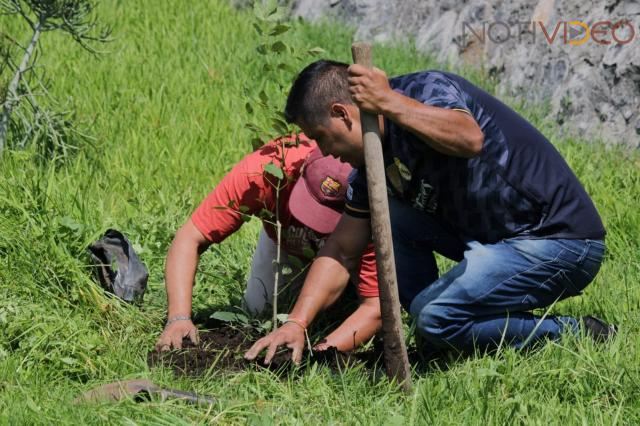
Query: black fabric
129, 279
519, 186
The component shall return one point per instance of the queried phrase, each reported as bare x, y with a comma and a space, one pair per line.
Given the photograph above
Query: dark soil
223, 348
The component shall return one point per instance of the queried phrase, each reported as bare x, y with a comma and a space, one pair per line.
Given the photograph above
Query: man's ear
341, 112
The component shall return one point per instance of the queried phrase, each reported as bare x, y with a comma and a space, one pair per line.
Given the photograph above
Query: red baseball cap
317, 199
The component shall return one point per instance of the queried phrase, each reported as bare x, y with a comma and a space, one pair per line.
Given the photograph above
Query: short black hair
318, 85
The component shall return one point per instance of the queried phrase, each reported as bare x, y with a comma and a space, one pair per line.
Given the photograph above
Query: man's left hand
289, 334
369, 88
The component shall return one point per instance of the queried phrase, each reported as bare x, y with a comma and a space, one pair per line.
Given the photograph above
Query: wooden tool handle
361, 53
395, 351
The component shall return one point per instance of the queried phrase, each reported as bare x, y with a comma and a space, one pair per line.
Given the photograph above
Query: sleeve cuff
356, 212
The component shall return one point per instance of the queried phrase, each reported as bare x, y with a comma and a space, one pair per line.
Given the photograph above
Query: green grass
165, 105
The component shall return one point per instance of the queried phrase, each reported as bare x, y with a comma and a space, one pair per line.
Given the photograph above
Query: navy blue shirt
518, 186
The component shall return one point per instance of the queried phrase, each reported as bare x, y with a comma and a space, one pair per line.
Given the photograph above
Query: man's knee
442, 325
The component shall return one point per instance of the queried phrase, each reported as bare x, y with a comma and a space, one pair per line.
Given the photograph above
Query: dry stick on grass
395, 351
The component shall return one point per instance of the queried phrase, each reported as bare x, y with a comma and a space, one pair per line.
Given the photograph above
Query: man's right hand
171, 337
290, 335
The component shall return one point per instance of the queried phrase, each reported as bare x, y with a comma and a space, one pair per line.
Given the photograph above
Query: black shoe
597, 329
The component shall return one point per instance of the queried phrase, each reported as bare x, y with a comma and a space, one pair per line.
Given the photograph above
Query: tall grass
165, 105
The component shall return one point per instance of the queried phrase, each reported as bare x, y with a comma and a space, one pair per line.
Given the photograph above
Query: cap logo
330, 187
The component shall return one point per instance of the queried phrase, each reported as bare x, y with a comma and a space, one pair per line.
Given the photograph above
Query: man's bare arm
359, 327
180, 271
448, 131
325, 281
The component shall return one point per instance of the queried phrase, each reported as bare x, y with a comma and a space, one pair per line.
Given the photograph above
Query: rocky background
594, 89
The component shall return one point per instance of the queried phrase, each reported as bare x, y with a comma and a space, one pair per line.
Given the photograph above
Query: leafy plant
244, 321
280, 59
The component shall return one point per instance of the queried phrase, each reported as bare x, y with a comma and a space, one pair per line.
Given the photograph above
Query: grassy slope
165, 107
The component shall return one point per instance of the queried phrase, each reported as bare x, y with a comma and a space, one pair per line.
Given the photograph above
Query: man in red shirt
248, 190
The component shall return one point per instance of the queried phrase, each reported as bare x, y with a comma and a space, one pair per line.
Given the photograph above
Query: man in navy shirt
468, 178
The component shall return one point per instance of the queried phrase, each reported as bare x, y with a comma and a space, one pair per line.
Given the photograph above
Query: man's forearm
325, 281
180, 270
359, 327
447, 131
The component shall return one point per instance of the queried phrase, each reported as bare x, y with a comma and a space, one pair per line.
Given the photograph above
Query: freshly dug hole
223, 347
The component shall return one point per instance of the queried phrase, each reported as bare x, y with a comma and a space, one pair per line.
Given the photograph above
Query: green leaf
262, 49
263, 96
242, 318
282, 317
223, 316
271, 7
248, 107
316, 51
69, 360
280, 126
308, 252
230, 317
279, 15
69, 223
259, 10
252, 127
286, 270
256, 143
296, 262
244, 209
266, 214
286, 67
279, 29
278, 47
265, 326
257, 28
274, 170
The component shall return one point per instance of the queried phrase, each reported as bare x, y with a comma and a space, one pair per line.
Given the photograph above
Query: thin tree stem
277, 273
12, 98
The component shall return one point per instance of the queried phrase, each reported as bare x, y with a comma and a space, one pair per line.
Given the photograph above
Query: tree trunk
11, 99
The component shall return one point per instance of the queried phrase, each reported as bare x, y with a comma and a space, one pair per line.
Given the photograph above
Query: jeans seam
585, 251
515, 275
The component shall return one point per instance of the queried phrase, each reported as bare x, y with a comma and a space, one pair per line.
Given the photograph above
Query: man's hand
290, 335
369, 88
322, 345
171, 337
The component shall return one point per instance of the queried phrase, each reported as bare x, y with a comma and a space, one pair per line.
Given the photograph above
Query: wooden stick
395, 351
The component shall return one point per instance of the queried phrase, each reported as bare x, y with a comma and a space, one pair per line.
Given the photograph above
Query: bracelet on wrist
178, 318
300, 322
303, 325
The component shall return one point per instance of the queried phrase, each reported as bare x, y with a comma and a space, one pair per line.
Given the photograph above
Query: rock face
589, 71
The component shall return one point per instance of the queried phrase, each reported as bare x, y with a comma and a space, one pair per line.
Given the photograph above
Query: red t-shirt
247, 189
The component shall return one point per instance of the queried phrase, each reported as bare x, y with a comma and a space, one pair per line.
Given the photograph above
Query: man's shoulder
431, 76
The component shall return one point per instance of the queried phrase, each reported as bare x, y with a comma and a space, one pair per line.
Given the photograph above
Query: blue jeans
485, 298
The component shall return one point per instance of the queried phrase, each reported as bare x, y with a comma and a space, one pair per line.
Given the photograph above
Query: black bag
113, 251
